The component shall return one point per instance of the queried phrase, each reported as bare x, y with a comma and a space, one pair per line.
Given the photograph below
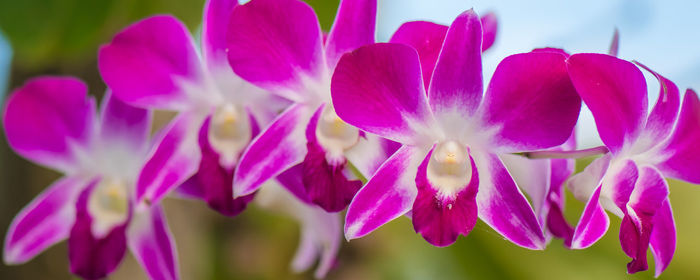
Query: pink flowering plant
270, 110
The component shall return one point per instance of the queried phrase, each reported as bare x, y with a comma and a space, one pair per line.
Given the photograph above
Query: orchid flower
629, 181
448, 169
321, 232
153, 64
53, 122
278, 45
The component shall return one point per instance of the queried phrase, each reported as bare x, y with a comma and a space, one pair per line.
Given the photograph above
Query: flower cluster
271, 109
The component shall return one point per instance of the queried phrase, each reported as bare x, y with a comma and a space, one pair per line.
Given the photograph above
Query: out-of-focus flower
154, 64
448, 168
278, 45
53, 122
321, 232
644, 148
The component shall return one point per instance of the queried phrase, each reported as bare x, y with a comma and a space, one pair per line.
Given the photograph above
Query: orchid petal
353, 27
214, 26
502, 206
322, 229
457, 83
49, 119
427, 39
147, 64
276, 45
273, 151
663, 238
618, 184
43, 222
583, 184
616, 93
388, 195
152, 243
124, 129
650, 191
681, 147
533, 177
291, 179
520, 98
173, 159
378, 89
489, 23
440, 219
663, 116
94, 257
593, 224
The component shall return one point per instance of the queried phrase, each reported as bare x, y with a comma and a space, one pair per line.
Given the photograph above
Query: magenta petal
215, 180
616, 93
214, 27
663, 237
273, 151
593, 224
387, 195
620, 181
663, 116
457, 84
353, 27
324, 181
681, 147
292, 180
503, 207
520, 98
146, 63
426, 38
48, 118
440, 219
125, 126
152, 244
489, 23
275, 43
378, 88
174, 158
44, 222
94, 257
649, 193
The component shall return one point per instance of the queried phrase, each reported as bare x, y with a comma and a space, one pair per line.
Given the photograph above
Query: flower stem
600, 150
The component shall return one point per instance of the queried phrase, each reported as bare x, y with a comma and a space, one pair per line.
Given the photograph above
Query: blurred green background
61, 37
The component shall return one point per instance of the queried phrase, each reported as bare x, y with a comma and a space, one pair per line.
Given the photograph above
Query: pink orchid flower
644, 148
154, 64
448, 170
53, 122
278, 45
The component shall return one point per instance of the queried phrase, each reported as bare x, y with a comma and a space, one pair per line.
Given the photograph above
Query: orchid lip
109, 205
449, 168
229, 132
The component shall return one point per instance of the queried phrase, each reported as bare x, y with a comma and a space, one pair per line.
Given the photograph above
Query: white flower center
108, 205
229, 132
449, 168
334, 134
